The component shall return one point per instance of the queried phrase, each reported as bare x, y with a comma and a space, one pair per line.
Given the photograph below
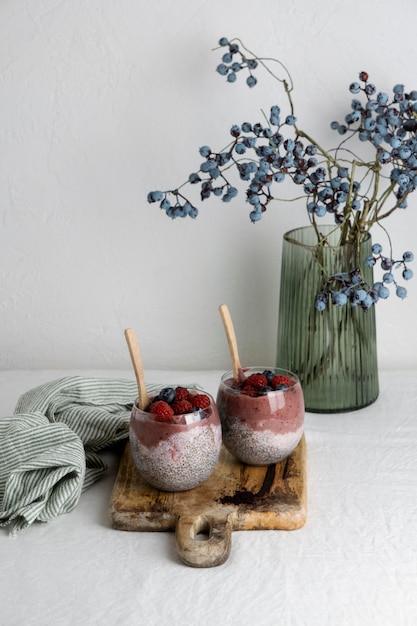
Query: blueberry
167, 394
155, 196
268, 375
262, 391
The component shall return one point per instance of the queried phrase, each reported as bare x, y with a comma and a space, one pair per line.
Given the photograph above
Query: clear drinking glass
175, 456
261, 429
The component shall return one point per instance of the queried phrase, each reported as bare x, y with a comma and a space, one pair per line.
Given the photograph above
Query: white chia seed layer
258, 447
181, 462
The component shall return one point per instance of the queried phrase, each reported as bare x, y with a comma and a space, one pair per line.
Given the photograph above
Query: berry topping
167, 394
280, 380
258, 384
200, 401
269, 375
173, 404
162, 411
179, 407
181, 393
256, 380
265, 389
249, 390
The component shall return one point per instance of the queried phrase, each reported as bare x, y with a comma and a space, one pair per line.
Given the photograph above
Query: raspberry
181, 406
162, 411
256, 380
181, 393
249, 390
200, 401
280, 380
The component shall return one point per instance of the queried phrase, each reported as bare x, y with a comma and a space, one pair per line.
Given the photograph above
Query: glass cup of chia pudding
176, 448
262, 414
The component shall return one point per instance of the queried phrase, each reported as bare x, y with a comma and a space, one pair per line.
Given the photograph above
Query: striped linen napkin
48, 448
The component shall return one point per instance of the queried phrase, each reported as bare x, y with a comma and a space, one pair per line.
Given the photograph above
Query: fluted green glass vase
333, 352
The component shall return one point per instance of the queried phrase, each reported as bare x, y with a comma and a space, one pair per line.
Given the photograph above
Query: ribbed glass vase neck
325, 236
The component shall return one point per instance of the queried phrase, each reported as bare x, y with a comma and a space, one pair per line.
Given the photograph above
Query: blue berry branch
356, 194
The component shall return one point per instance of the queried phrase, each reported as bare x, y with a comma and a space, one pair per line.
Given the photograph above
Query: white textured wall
100, 102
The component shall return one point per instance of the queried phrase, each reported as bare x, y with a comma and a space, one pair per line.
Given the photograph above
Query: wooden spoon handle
143, 399
231, 339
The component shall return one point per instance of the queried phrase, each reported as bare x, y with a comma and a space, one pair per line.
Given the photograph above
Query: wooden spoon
143, 398
231, 340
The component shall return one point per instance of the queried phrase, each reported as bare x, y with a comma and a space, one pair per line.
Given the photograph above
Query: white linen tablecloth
354, 563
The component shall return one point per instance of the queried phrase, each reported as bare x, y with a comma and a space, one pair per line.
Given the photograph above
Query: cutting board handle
204, 541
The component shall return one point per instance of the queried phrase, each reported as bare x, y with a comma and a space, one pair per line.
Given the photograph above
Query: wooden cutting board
234, 497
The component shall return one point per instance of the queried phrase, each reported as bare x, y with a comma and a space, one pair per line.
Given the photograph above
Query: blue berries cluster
233, 61
276, 158
353, 192
350, 287
388, 265
390, 125
178, 207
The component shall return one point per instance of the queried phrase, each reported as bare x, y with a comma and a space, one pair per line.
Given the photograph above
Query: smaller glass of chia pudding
175, 443
262, 414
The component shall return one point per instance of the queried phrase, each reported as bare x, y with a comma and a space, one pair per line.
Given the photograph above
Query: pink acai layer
151, 432
278, 411
175, 457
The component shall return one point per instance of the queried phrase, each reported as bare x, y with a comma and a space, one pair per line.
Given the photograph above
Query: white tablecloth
354, 562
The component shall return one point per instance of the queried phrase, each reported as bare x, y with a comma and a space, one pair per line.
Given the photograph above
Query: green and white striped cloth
48, 448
